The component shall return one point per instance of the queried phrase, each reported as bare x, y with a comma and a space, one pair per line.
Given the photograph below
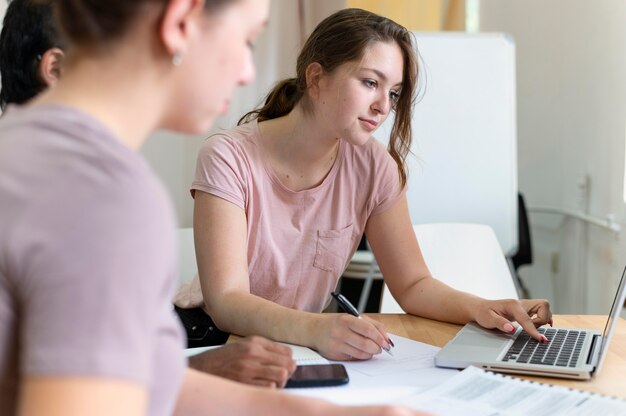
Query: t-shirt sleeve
221, 170
387, 190
93, 285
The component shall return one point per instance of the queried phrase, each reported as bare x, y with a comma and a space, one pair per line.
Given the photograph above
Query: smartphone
320, 375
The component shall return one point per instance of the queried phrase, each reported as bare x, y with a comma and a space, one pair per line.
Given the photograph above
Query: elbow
409, 295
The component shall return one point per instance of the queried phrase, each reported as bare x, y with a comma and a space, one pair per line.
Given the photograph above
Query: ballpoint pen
348, 307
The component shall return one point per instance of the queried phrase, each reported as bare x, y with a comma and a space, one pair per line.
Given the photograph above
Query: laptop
571, 353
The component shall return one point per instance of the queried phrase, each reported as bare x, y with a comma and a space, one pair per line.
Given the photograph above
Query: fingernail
509, 328
550, 323
544, 339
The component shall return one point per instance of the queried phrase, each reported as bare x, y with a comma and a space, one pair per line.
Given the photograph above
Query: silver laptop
571, 353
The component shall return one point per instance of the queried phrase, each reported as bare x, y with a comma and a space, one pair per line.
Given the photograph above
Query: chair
187, 266
524, 254
363, 266
464, 256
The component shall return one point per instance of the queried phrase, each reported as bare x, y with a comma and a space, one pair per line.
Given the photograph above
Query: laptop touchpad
479, 340
475, 336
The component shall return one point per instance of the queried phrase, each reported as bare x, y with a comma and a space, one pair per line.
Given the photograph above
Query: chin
192, 126
359, 140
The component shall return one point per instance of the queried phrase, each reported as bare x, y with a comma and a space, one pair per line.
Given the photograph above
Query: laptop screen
614, 313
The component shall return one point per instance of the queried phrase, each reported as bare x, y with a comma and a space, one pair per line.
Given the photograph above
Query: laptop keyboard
563, 349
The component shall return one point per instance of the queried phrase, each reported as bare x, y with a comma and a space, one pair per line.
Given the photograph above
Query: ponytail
279, 102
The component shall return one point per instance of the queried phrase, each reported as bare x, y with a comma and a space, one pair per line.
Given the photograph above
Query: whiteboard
464, 162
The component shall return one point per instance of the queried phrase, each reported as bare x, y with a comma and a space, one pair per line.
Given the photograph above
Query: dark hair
27, 33
343, 37
97, 22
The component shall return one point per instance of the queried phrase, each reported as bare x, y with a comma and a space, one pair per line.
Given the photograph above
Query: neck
297, 149
298, 140
124, 97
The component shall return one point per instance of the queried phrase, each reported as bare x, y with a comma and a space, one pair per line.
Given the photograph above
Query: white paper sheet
477, 392
408, 355
385, 378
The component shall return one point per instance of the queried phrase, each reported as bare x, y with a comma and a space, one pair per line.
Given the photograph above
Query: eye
369, 83
393, 95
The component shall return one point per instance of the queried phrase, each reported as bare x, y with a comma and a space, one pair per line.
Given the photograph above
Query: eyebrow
381, 75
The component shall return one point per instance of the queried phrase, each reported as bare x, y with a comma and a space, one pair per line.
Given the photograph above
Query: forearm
433, 299
205, 394
246, 314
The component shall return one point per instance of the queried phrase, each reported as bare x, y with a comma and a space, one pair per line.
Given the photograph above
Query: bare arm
406, 274
221, 251
203, 394
68, 396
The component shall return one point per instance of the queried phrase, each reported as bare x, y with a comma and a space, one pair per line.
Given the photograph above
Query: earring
177, 58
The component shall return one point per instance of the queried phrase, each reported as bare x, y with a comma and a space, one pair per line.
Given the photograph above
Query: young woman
86, 232
281, 202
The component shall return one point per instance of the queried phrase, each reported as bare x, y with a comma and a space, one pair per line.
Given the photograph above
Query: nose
382, 104
248, 71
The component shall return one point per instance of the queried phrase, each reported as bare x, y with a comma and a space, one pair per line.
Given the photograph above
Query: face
218, 60
357, 97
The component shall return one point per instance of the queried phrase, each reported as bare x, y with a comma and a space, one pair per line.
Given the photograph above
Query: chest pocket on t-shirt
333, 249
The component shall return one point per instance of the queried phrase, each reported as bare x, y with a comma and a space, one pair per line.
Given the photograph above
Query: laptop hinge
595, 343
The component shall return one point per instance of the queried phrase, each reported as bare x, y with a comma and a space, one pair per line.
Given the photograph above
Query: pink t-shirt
299, 243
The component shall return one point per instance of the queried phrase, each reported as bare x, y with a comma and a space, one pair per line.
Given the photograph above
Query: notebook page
305, 356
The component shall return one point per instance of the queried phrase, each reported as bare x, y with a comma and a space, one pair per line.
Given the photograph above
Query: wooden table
610, 381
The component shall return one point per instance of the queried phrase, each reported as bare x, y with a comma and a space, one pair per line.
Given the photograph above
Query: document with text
481, 393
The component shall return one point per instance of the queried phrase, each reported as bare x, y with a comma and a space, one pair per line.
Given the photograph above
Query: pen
348, 307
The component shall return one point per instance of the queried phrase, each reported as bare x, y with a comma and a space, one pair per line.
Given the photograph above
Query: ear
314, 74
178, 23
50, 66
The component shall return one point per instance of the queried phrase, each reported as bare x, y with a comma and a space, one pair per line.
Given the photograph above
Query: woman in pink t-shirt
87, 266
281, 202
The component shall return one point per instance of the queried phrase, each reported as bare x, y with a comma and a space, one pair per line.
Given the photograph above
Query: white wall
571, 63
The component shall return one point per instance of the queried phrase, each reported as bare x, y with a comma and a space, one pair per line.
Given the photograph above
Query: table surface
610, 381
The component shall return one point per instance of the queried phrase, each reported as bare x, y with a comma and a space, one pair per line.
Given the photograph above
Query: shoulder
236, 141
370, 157
78, 185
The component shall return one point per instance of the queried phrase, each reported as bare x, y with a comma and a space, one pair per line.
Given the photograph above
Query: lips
369, 124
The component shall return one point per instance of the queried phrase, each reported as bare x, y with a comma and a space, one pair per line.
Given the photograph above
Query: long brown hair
343, 37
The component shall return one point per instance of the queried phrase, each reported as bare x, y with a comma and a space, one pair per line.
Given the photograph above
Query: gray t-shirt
87, 263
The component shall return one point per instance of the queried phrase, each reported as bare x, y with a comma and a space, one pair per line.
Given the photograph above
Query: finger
527, 324
272, 346
364, 345
383, 331
269, 352
499, 322
544, 315
268, 375
353, 353
371, 339
270, 358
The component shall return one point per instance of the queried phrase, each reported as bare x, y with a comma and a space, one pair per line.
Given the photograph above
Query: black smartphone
319, 375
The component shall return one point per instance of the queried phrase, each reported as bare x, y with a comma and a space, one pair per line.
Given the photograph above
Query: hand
252, 360
529, 313
345, 337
